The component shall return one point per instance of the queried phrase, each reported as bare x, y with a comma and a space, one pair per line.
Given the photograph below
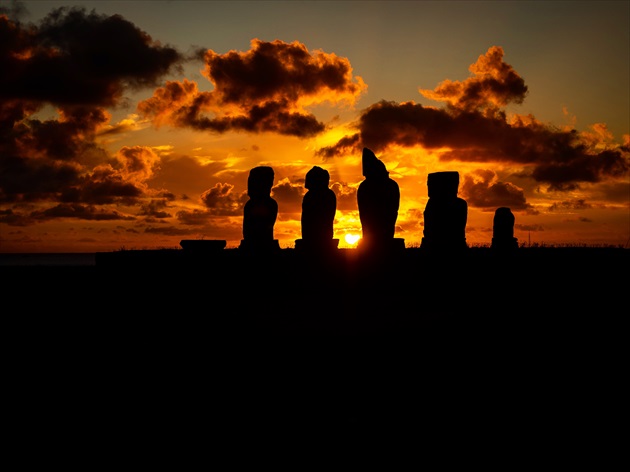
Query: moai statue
445, 214
503, 230
378, 199
260, 211
319, 206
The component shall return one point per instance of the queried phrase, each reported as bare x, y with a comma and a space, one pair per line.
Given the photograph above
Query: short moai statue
445, 214
319, 206
503, 230
378, 199
260, 212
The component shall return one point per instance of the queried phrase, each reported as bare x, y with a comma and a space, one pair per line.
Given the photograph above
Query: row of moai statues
378, 200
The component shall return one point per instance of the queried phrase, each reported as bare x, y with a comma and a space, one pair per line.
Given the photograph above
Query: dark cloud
576, 204
265, 89
79, 62
12, 218
78, 58
169, 231
482, 189
26, 179
193, 218
155, 209
83, 212
274, 71
473, 128
530, 227
221, 201
13, 9
67, 138
289, 196
493, 84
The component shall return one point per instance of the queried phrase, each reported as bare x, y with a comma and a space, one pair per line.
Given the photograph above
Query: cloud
14, 9
80, 63
473, 128
289, 196
155, 209
83, 212
346, 196
575, 204
493, 84
221, 201
482, 189
78, 58
265, 89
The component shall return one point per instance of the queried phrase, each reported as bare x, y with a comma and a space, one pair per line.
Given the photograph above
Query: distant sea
48, 259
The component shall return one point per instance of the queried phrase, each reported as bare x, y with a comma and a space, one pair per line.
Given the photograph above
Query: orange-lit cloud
221, 201
493, 84
80, 63
473, 128
78, 58
482, 189
83, 66
265, 89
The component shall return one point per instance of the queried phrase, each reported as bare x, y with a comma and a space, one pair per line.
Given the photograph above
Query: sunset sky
134, 124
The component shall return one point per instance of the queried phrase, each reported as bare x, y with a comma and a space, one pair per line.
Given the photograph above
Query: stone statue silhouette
260, 211
503, 230
378, 199
319, 206
445, 214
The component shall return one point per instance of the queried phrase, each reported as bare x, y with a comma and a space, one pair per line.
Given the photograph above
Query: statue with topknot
378, 199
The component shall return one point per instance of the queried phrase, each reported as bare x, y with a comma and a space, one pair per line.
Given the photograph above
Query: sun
351, 238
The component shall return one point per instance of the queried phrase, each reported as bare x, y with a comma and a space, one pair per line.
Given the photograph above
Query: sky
134, 124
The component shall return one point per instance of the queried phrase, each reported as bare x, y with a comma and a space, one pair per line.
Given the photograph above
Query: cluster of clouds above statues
63, 62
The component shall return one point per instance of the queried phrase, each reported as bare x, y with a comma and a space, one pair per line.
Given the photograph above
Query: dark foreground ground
515, 356
346, 293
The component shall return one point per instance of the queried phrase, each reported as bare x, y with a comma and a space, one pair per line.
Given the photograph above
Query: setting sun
351, 238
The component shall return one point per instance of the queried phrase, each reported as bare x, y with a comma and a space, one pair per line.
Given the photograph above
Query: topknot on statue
373, 167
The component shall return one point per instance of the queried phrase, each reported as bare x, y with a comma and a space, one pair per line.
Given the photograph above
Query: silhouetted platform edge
203, 245
214, 252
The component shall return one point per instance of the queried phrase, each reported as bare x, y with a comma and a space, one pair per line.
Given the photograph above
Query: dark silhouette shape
445, 214
203, 245
378, 198
319, 206
260, 211
503, 230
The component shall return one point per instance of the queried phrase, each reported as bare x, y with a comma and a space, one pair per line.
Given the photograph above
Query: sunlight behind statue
378, 199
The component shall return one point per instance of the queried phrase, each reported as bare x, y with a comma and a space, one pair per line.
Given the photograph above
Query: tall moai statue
503, 230
378, 199
445, 214
260, 212
319, 206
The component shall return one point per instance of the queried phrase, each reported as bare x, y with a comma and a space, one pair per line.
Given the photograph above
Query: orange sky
116, 144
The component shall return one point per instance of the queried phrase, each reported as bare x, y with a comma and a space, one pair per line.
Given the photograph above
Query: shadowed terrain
153, 340
341, 292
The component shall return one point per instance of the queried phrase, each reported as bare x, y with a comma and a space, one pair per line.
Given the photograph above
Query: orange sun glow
351, 238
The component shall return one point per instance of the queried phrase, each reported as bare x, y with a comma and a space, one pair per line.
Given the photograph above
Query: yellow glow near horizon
351, 238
